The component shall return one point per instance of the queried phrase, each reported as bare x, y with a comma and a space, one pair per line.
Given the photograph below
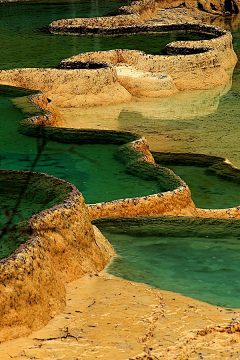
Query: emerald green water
208, 191
198, 260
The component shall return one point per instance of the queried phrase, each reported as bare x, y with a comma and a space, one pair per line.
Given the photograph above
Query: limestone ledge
48, 113
192, 65
134, 14
52, 117
216, 165
71, 87
63, 246
114, 76
137, 13
147, 84
175, 202
140, 161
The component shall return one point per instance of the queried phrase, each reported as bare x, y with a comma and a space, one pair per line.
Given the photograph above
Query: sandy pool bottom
197, 121
109, 318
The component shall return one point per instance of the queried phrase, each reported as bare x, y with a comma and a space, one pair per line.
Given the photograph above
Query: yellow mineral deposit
120, 74
109, 318
71, 87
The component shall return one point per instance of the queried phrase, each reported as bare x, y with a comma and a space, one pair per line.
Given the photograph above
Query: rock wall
62, 247
219, 7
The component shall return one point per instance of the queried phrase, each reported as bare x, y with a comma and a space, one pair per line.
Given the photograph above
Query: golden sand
110, 318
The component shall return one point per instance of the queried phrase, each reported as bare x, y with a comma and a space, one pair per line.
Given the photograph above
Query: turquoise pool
198, 258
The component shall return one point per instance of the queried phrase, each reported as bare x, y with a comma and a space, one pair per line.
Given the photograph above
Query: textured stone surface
70, 87
112, 77
140, 83
110, 318
192, 65
61, 248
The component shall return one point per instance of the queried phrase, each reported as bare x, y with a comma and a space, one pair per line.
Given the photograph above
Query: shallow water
199, 262
208, 191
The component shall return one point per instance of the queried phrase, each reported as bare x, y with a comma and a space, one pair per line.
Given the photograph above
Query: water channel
212, 128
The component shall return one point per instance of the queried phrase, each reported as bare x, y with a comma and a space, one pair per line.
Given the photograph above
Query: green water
91, 168
197, 261
24, 45
208, 191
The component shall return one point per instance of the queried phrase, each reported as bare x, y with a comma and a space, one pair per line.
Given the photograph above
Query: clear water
199, 262
208, 191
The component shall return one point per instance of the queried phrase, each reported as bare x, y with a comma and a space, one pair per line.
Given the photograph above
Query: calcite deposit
62, 246
192, 65
114, 76
71, 87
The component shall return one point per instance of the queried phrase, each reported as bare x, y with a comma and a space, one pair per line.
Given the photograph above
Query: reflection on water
24, 45
125, 116
201, 121
198, 121
195, 121
230, 22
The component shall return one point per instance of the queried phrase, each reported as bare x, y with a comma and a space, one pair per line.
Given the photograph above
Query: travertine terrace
62, 244
111, 77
